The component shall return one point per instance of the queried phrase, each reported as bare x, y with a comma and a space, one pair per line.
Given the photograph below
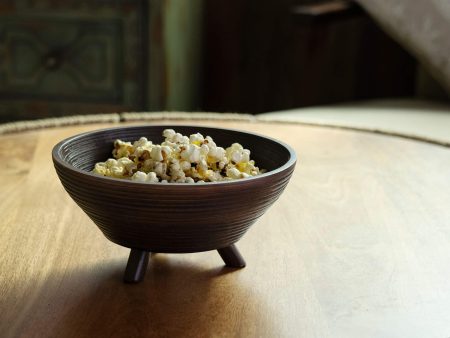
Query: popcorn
101, 169
142, 143
237, 153
185, 165
120, 168
160, 169
142, 177
122, 149
233, 173
127, 165
172, 136
196, 139
169, 133
217, 154
156, 154
189, 180
191, 153
179, 159
209, 141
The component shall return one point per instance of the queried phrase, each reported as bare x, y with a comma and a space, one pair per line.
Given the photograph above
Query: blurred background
70, 57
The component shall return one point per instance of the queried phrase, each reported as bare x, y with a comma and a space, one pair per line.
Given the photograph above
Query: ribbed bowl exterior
172, 218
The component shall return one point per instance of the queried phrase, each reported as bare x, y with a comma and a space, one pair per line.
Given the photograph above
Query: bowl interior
83, 151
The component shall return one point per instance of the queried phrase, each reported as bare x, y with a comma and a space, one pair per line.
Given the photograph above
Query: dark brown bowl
171, 218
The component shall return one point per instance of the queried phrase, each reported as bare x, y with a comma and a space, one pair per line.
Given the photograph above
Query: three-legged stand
138, 261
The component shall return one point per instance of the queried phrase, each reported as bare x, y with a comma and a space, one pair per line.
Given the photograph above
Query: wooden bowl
173, 217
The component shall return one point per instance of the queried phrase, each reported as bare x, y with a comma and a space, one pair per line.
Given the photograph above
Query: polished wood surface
358, 245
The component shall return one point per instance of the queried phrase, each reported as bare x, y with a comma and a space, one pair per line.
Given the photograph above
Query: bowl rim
56, 156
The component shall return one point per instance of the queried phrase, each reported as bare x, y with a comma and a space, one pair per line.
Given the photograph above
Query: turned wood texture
358, 245
172, 218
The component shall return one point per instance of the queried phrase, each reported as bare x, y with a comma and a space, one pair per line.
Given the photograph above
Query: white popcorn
217, 154
196, 139
122, 167
233, 173
122, 149
156, 154
213, 176
151, 177
117, 171
175, 171
142, 177
191, 153
203, 166
169, 133
173, 137
179, 159
166, 151
139, 176
237, 153
111, 162
185, 165
142, 153
204, 150
178, 138
124, 162
101, 168
160, 169
142, 142
175, 165
209, 141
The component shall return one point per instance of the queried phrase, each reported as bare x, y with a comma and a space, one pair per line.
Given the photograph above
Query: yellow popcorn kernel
241, 166
196, 139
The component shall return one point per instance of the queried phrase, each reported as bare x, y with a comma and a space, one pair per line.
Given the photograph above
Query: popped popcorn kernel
178, 159
122, 149
142, 177
196, 139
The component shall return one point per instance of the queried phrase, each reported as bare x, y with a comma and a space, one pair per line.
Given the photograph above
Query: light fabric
423, 120
422, 27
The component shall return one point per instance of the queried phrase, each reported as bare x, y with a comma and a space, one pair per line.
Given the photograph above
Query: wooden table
357, 246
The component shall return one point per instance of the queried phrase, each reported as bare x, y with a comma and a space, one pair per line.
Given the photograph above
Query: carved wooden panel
72, 57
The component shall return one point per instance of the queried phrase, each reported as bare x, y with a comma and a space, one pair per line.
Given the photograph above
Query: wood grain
358, 245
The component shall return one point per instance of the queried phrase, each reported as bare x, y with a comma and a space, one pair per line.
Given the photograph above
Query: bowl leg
232, 257
136, 266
